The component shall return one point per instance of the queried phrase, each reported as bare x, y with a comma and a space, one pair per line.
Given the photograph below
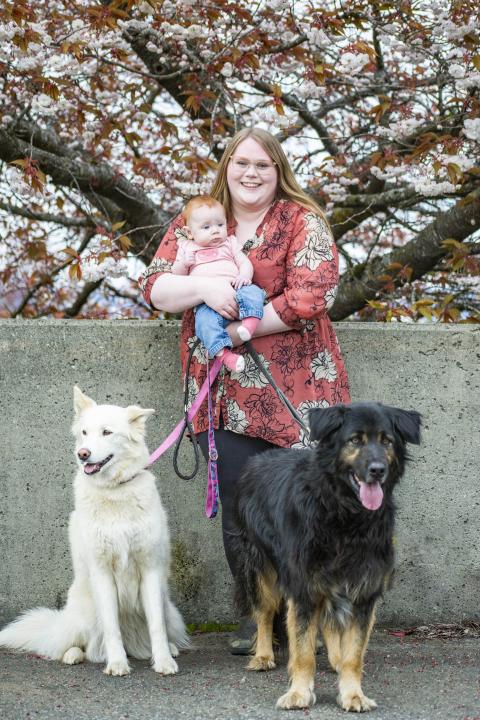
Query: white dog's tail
49, 633
176, 630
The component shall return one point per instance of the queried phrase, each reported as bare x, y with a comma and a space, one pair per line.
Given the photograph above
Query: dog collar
130, 479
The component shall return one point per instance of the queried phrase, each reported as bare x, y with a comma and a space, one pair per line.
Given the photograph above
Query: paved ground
411, 679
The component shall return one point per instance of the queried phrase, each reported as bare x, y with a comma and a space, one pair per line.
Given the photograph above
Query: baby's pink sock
247, 328
231, 360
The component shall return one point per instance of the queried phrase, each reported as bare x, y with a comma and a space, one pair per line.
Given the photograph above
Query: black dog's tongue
371, 495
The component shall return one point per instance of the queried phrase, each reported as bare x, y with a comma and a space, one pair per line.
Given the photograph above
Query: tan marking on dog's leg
331, 637
269, 597
301, 662
353, 646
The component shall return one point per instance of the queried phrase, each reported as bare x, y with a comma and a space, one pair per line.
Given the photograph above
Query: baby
211, 252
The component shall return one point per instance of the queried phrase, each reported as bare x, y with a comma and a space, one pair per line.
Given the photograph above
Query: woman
290, 245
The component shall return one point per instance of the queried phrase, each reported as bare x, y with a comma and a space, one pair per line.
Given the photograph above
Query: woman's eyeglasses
261, 166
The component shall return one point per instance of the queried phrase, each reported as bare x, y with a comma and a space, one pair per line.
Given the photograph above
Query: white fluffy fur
119, 603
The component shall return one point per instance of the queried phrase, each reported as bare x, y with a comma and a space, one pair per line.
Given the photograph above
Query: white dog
118, 604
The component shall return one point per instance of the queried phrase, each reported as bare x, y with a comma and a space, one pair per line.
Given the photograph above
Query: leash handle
186, 425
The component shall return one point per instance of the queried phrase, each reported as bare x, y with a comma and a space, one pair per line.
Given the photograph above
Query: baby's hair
197, 202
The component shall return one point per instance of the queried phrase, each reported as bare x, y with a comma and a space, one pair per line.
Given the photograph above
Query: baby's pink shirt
221, 261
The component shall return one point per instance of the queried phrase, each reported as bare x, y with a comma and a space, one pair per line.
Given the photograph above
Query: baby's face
208, 225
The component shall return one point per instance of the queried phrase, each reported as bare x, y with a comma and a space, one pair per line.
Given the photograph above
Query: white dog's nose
84, 453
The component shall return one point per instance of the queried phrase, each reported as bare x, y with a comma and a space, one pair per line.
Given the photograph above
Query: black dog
315, 530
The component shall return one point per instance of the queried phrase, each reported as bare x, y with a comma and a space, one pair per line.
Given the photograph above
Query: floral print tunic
295, 261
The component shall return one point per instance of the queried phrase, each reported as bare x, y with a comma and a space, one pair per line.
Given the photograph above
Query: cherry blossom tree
114, 113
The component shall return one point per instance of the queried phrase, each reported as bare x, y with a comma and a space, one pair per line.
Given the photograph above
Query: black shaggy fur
302, 521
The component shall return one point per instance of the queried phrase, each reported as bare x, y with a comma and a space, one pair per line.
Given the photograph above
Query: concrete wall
435, 370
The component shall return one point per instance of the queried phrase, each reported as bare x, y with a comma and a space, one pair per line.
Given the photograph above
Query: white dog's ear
137, 416
80, 401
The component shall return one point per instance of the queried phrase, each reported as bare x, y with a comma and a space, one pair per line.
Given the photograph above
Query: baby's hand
240, 281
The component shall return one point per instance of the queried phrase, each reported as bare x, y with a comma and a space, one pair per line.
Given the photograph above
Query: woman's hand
218, 294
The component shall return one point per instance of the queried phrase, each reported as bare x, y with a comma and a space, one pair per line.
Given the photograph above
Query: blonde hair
287, 186
200, 201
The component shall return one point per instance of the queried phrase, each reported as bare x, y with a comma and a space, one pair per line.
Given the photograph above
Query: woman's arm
311, 280
176, 293
311, 272
269, 324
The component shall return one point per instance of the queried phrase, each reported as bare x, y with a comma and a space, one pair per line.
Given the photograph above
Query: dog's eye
386, 440
84, 432
107, 432
356, 440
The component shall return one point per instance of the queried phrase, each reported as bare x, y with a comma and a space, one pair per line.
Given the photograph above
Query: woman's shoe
242, 641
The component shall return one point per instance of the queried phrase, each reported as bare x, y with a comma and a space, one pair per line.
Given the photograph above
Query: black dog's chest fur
334, 556
355, 571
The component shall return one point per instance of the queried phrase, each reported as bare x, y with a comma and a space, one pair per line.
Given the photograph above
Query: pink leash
211, 504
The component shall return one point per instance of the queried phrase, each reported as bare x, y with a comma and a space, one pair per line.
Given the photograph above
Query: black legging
233, 452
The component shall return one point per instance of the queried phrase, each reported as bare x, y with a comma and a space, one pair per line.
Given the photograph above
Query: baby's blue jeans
210, 325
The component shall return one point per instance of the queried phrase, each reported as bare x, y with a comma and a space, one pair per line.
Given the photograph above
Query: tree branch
421, 254
46, 217
97, 180
51, 274
399, 197
310, 118
82, 297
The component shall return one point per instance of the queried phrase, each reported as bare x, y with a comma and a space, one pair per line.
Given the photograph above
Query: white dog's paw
296, 699
117, 667
165, 666
174, 651
73, 656
356, 702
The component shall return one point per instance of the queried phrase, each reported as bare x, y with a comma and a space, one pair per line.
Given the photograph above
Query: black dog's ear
407, 423
325, 421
